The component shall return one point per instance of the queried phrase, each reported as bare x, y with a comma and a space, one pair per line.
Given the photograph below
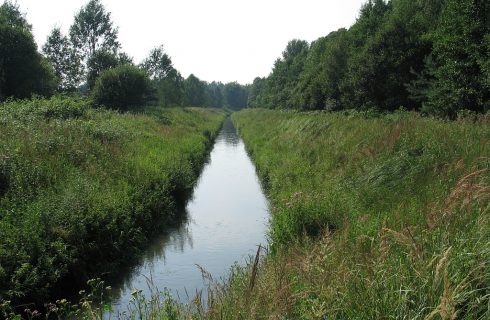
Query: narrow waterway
226, 220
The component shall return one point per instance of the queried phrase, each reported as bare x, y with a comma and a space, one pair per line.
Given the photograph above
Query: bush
121, 88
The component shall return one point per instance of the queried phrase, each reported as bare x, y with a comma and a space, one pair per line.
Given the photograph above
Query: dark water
225, 222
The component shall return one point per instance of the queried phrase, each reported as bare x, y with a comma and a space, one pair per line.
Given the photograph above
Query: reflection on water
225, 221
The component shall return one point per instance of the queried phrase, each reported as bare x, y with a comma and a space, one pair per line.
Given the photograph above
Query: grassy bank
82, 190
373, 217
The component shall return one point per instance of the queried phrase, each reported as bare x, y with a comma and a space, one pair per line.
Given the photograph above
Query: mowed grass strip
82, 190
373, 217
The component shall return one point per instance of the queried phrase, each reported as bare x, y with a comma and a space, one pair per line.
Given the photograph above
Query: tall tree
167, 82
158, 64
65, 59
285, 75
93, 30
23, 71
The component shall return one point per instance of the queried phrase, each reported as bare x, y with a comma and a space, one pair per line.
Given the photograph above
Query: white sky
222, 40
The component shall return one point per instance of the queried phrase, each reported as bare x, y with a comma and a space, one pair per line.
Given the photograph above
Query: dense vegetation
373, 217
73, 63
82, 189
426, 55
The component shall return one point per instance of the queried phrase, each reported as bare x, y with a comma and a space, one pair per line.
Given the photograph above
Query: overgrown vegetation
82, 190
423, 55
373, 217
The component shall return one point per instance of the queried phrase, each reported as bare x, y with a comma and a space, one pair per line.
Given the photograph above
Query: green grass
82, 190
373, 217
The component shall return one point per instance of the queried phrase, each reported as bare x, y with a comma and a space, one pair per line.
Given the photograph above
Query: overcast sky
222, 40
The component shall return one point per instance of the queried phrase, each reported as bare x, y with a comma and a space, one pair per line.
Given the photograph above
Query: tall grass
82, 190
374, 217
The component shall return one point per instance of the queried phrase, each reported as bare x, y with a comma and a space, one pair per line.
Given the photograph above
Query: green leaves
417, 55
23, 71
65, 59
92, 30
121, 88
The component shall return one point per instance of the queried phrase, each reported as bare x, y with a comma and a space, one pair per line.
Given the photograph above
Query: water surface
226, 220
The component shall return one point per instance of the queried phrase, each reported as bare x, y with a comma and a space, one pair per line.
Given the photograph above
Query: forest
430, 56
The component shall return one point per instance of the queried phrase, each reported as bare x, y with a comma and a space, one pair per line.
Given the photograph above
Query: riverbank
82, 190
374, 216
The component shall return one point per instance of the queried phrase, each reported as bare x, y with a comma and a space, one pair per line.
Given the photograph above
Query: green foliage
84, 189
92, 30
121, 88
158, 64
255, 89
65, 59
215, 95
194, 92
326, 64
170, 90
235, 96
285, 75
460, 55
23, 71
103, 60
166, 80
400, 53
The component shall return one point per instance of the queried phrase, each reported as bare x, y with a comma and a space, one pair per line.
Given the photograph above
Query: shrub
121, 88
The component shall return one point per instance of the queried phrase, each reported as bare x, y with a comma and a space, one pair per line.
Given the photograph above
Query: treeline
89, 61
425, 55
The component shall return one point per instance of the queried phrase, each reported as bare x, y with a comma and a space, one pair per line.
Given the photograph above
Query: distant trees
235, 96
23, 71
194, 92
421, 55
215, 95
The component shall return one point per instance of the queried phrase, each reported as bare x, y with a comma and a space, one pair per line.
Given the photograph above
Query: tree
93, 30
461, 53
255, 92
235, 96
215, 94
280, 85
103, 60
158, 64
167, 82
194, 92
325, 68
23, 71
65, 59
121, 88
170, 90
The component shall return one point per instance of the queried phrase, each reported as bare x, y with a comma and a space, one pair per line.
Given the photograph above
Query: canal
225, 221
